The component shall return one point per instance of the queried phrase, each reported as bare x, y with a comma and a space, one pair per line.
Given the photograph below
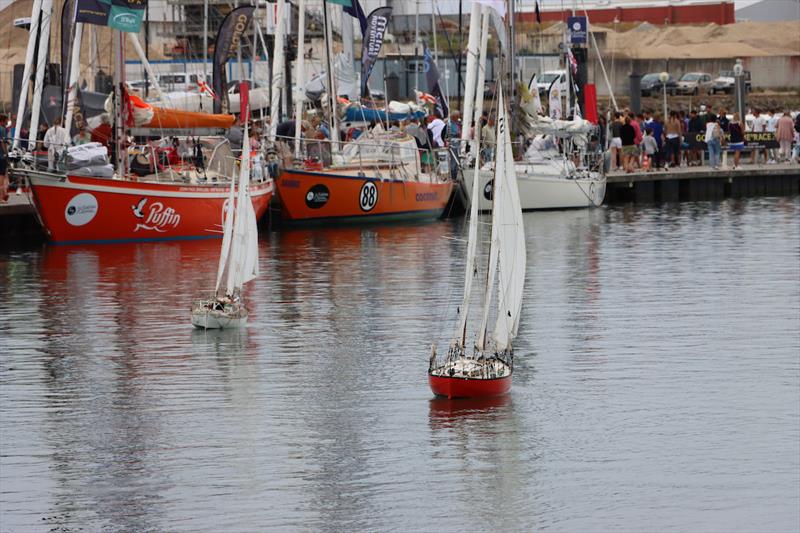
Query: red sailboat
487, 371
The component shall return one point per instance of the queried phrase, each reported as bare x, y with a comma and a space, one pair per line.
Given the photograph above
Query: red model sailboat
487, 371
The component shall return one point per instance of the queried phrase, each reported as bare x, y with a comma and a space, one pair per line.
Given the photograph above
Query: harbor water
656, 383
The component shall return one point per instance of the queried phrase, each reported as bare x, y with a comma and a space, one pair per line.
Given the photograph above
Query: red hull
469, 388
83, 209
309, 196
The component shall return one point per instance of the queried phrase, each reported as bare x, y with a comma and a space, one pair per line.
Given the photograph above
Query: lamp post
664, 78
739, 88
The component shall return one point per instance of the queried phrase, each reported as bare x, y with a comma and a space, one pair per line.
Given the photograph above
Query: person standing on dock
784, 133
759, 125
674, 139
696, 125
616, 141
629, 150
737, 139
713, 140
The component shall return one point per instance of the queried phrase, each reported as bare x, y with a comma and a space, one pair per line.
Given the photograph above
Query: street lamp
738, 71
664, 77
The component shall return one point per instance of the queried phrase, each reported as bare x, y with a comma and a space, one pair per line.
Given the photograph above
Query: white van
545, 79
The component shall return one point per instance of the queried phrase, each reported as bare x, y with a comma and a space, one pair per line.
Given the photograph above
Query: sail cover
511, 236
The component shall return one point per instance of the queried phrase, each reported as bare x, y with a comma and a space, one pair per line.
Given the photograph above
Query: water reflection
656, 382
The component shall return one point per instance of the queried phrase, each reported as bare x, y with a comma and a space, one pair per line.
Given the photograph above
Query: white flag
555, 101
537, 100
497, 5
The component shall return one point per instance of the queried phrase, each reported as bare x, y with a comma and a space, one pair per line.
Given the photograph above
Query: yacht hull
324, 197
218, 320
462, 387
76, 209
540, 190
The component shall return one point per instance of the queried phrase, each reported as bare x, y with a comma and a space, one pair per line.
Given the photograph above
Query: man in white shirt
759, 125
56, 140
771, 127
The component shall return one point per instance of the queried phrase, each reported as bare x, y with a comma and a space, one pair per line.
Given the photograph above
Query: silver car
696, 83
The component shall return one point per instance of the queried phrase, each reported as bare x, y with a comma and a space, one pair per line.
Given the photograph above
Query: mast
74, 74
118, 39
481, 69
300, 76
41, 64
205, 41
277, 72
331, 87
33, 32
472, 60
416, 45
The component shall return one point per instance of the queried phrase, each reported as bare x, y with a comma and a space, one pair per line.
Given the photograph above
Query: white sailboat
238, 257
488, 369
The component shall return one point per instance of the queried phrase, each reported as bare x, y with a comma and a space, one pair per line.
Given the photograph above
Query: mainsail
243, 262
510, 236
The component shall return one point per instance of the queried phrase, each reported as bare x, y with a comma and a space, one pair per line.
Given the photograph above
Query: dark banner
67, 26
432, 77
377, 22
93, 12
230, 33
752, 140
122, 15
354, 10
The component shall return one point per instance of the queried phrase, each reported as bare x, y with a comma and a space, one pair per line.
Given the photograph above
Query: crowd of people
650, 141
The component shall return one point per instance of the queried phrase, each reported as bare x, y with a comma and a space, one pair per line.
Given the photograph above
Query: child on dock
650, 147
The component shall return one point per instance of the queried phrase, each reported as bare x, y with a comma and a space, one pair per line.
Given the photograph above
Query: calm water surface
657, 385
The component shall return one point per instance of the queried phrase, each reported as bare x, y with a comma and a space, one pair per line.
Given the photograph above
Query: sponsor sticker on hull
81, 209
317, 196
155, 216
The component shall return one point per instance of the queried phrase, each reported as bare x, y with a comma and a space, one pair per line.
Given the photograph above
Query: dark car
651, 85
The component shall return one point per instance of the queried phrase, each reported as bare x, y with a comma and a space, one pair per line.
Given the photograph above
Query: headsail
510, 236
243, 265
227, 232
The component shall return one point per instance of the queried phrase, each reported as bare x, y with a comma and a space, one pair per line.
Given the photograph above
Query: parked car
652, 86
545, 79
727, 81
695, 83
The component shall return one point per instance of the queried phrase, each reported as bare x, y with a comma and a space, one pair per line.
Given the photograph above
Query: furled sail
510, 236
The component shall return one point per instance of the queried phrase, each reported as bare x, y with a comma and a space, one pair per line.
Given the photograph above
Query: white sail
469, 82
277, 71
300, 94
242, 266
227, 233
472, 240
510, 236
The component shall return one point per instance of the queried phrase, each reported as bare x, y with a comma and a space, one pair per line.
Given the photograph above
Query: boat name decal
81, 209
156, 217
368, 197
427, 196
290, 184
317, 196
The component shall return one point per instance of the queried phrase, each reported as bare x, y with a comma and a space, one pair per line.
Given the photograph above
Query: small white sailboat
488, 369
238, 257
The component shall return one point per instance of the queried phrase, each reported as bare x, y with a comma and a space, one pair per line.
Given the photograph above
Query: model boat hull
88, 209
462, 387
326, 197
218, 320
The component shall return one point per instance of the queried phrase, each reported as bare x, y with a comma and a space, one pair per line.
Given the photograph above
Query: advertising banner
377, 22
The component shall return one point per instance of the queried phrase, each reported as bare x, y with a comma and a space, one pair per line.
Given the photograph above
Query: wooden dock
703, 183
